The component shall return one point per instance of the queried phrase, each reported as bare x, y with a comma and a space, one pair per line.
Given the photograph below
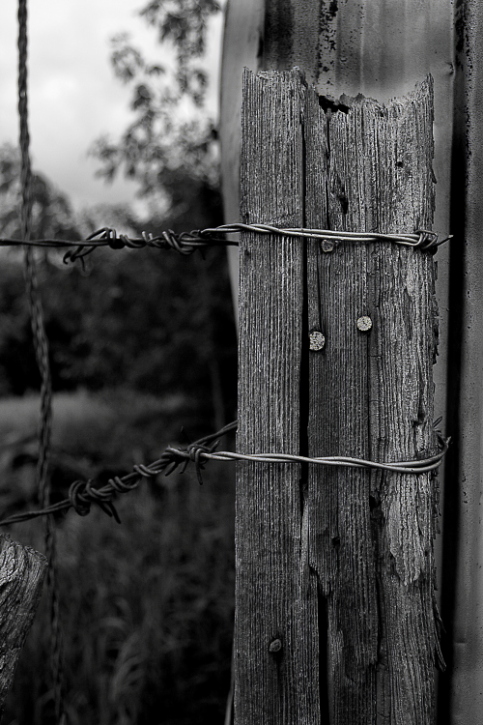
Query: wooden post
22, 572
335, 567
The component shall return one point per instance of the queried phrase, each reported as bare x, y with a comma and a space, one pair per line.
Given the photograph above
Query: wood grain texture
374, 47
22, 572
341, 547
274, 599
371, 395
337, 564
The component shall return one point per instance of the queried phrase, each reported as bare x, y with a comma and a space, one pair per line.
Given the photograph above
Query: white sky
73, 94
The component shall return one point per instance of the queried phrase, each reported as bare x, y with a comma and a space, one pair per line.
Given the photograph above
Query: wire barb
82, 494
188, 242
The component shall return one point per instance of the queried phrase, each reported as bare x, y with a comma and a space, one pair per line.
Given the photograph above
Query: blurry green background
143, 354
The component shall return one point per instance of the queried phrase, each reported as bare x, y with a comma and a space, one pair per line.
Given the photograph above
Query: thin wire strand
42, 356
416, 466
41, 345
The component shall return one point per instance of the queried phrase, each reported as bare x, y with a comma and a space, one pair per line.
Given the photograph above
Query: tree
160, 140
52, 213
168, 155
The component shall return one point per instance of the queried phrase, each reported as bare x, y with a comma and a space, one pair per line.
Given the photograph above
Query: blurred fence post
335, 567
22, 572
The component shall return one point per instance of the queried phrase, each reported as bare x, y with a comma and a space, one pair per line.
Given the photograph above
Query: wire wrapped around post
186, 243
82, 494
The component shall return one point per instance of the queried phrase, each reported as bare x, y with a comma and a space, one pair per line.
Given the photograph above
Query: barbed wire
82, 494
186, 243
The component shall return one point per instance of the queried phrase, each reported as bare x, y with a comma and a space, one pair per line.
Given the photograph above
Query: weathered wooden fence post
335, 567
22, 572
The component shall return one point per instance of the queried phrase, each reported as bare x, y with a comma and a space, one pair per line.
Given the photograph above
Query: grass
147, 606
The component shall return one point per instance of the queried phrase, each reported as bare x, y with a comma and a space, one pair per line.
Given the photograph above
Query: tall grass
146, 608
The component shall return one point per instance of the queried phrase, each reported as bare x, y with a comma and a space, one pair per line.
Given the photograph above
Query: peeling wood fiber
336, 563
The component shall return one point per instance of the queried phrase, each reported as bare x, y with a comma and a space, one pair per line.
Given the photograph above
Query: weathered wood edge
22, 572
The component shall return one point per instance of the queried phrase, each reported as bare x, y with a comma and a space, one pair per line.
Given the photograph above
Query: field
146, 606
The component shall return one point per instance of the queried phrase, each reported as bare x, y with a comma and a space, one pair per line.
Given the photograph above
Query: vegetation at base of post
146, 607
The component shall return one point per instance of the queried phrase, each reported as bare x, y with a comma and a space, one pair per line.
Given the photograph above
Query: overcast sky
73, 95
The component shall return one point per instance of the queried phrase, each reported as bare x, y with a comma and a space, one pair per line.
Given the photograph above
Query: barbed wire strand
82, 494
186, 243
42, 356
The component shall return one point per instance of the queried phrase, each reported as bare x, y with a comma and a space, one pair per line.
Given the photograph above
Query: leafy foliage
184, 22
160, 139
52, 213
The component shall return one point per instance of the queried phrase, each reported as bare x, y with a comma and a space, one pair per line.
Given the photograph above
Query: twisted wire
82, 494
41, 348
188, 242
41, 345
57, 643
425, 465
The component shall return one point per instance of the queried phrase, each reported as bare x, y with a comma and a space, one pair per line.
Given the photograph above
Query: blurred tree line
148, 320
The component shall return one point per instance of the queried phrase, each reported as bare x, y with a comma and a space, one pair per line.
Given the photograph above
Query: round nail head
275, 646
364, 323
317, 340
327, 245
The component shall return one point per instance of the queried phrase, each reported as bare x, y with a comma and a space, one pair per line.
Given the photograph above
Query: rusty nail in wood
275, 646
364, 323
317, 340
